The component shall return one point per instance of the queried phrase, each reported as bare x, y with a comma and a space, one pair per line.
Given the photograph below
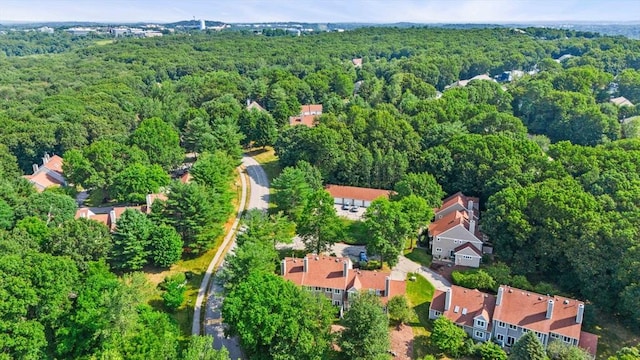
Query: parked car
363, 256
354, 208
346, 206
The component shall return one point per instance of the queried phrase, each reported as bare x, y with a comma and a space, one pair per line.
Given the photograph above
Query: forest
555, 163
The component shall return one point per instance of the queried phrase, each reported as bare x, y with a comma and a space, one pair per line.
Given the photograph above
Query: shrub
174, 289
490, 351
474, 280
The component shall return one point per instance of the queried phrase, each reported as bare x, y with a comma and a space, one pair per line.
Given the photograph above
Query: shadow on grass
421, 256
423, 327
355, 232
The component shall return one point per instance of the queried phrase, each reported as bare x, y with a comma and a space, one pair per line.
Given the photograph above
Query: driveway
351, 215
405, 266
258, 199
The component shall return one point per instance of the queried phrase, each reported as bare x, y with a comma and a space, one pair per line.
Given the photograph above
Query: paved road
258, 199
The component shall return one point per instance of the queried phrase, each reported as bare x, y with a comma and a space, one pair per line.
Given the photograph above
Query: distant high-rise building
203, 26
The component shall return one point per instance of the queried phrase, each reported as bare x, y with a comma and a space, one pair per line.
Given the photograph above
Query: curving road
258, 199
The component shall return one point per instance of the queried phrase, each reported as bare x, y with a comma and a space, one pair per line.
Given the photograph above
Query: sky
367, 11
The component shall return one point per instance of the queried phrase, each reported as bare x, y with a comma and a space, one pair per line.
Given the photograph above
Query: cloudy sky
378, 11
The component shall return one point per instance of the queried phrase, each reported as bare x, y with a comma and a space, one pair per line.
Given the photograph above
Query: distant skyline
364, 11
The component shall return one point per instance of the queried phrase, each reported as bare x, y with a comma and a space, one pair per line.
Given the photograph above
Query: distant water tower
203, 26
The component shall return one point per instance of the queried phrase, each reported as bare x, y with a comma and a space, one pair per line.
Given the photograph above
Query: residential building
49, 174
357, 62
621, 101
307, 116
463, 83
454, 234
511, 313
352, 195
335, 278
251, 105
108, 215
457, 202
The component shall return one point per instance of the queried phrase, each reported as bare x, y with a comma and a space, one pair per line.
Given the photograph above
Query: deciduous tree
366, 333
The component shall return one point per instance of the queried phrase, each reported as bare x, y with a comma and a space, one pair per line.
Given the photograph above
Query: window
377, 292
437, 239
500, 338
327, 290
510, 340
437, 313
554, 335
480, 323
467, 257
337, 302
479, 334
501, 324
337, 291
438, 250
513, 327
318, 288
566, 339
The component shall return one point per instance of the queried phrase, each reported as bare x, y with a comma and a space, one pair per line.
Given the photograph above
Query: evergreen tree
528, 347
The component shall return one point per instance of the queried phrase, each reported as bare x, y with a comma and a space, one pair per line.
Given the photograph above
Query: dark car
363, 256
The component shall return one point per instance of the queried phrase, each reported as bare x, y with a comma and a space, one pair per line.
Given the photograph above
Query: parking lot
357, 215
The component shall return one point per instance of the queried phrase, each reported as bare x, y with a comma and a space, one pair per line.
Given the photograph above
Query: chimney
499, 298
447, 300
345, 268
387, 286
112, 218
35, 168
470, 205
248, 101
283, 267
305, 264
580, 314
472, 226
549, 309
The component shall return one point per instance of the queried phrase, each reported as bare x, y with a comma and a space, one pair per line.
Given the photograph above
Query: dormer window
480, 323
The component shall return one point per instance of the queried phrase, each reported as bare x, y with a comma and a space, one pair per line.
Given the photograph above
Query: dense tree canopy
556, 172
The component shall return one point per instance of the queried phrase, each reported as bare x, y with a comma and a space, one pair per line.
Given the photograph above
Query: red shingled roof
327, 272
54, 164
358, 193
308, 120
527, 309
475, 302
468, 245
588, 342
457, 198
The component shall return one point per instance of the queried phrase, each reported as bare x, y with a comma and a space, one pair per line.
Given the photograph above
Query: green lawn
419, 293
421, 256
354, 232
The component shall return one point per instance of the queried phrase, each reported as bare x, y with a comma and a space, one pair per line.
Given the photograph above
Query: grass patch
419, 293
103, 42
613, 334
267, 158
355, 232
421, 256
